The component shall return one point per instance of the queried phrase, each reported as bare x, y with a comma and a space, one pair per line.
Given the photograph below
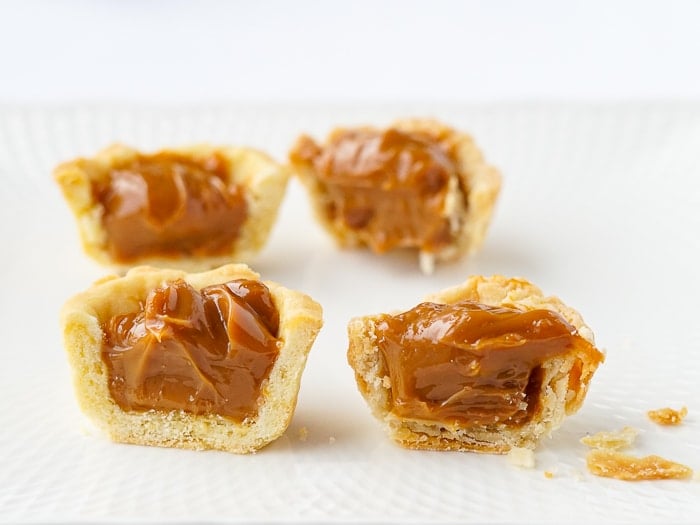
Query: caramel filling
169, 205
389, 187
206, 352
471, 364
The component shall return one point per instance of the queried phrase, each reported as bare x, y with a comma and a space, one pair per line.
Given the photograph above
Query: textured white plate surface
600, 205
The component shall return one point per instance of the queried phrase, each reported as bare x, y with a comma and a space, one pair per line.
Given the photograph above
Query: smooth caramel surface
168, 205
205, 352
469, 363
389, 187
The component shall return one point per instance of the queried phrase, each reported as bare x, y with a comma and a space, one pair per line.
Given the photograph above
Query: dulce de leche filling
388, 187
204, 352
168, 205
469, 364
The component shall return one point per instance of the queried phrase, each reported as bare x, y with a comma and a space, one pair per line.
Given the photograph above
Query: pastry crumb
613, 464
426, 262
303, 433
615, 440
668, 416
548, 474
521, 457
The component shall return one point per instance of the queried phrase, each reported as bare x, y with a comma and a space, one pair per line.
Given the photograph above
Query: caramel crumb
611, 464
521, 457
668, 416
615, 440
548, 474
303, 433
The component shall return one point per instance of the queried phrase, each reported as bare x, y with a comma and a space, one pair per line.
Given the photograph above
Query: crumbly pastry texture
615, 440
606, 460
300, 321
556, 398
668, 416
521, 457
263, 179
470, 219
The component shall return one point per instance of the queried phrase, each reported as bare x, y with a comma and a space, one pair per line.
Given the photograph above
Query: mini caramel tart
489, 366
417, 185
191, 208
207, 360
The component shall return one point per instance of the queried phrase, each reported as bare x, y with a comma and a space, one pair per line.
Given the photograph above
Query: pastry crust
556, 398
300, 321
615, 440
469, 220
263, 179
612, 464
668, 416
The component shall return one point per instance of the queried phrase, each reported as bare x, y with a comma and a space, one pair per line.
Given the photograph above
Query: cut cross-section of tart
487, 366
192, 208
208, 360
417, 184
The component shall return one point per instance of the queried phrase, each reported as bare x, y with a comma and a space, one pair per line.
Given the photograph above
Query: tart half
208, 360
192, 208
417, 184
486, 366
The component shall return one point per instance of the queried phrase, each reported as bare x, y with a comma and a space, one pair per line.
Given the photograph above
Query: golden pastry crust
556, 398
469, 219
300, 321
612, 464
615, 440
668, 416
263, 179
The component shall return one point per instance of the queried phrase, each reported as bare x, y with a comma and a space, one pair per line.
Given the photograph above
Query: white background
211, 51
600, 205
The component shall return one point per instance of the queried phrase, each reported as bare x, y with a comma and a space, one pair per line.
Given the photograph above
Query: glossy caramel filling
170, 205
469, 364
204, 352
387, 187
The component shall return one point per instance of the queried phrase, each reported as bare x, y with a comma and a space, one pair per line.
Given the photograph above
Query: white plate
600, 205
